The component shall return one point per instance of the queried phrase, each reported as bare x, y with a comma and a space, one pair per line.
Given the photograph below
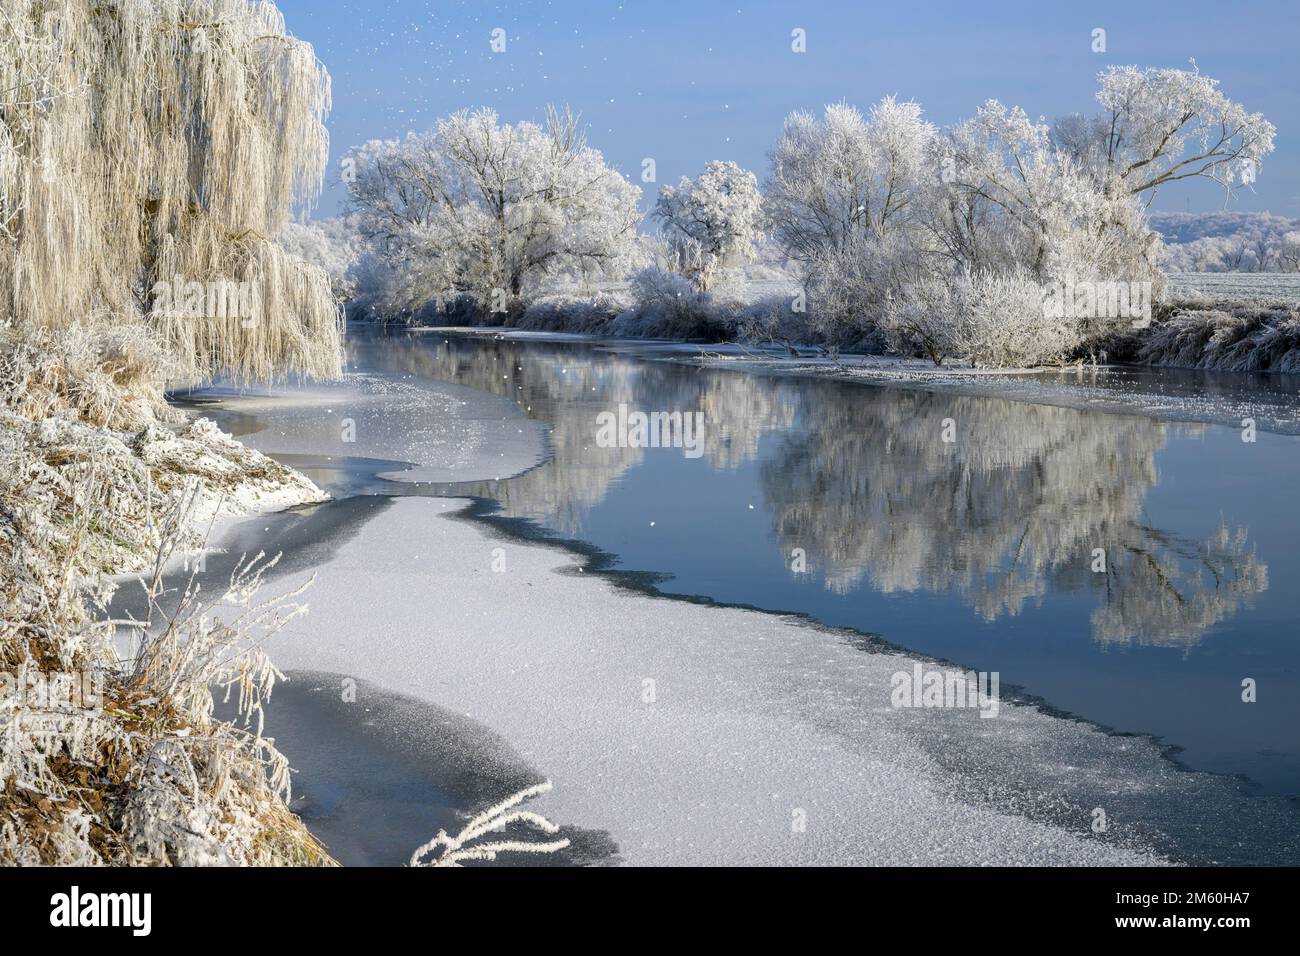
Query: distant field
1251, 286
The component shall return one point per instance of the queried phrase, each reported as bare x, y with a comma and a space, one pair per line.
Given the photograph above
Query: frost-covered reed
1235, 337
92, 485
469, 845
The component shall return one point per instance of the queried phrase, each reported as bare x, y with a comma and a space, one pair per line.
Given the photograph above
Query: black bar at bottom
329, 906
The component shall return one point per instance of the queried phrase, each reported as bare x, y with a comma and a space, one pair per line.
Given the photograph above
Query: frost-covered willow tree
711, 222
150, 145
491, 210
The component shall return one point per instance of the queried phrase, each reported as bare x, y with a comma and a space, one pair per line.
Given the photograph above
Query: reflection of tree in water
568, 386
862, 481
1171, 591
1008, 512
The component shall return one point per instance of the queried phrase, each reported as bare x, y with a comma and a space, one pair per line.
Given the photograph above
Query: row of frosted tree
894, 232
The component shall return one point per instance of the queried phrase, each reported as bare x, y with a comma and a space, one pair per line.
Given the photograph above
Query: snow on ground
255, 484
1281, 287
692, 734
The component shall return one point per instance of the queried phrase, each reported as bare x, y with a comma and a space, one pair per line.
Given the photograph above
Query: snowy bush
147, 776
572, 313
989, 319
667, 304
775, 319
848, 289
1004, 324
109, 377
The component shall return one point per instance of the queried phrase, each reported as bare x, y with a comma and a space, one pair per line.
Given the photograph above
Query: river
1135, 572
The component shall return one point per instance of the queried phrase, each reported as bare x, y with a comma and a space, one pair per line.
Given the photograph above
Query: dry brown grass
148, 776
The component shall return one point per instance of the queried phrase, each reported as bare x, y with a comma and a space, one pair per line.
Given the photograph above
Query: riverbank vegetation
149, 152
998, 241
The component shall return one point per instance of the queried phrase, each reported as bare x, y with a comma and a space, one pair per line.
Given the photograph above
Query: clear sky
686, 82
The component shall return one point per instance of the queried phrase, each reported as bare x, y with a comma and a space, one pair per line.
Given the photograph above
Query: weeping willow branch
144, 141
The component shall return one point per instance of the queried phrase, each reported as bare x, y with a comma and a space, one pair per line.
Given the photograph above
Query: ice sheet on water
447, 432
754, 722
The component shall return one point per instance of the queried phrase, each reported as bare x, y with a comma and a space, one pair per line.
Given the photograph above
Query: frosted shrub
988, 319
1003, 324
147, 776
848, 289
923, 320
92, 485
572, 313
109, 376
667, 303
773, 319
711, 222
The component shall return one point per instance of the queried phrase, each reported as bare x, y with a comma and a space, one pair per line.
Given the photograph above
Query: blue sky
688, 82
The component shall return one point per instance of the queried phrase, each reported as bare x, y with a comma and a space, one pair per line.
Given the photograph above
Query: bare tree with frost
1162, 125
843, 199
1288, 252
880, 209
161, 144
489, 209
846, 177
